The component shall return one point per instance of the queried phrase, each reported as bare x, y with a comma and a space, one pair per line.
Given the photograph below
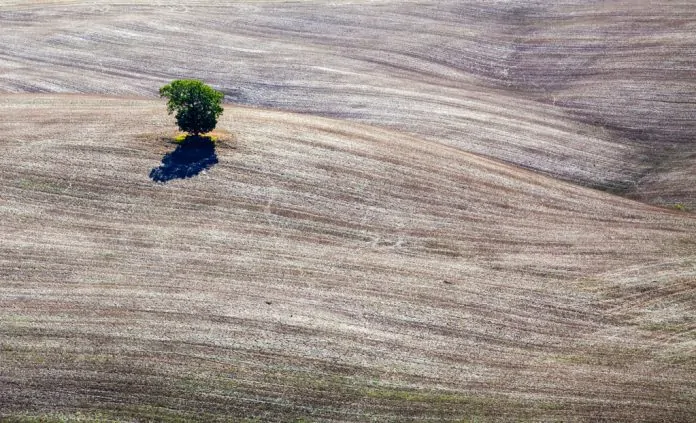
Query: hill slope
616, 76
326, 270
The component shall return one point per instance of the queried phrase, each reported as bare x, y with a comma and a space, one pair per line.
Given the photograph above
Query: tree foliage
196, 104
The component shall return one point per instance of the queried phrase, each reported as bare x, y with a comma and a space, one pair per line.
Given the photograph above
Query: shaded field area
324, 270
190, 157
596, 92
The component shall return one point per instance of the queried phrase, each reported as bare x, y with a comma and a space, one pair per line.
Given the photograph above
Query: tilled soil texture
324, 270
596, 92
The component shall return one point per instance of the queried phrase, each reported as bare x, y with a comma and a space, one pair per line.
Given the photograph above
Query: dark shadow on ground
192, 156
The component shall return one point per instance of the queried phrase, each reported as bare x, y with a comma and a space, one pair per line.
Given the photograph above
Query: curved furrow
494, 78
322, 269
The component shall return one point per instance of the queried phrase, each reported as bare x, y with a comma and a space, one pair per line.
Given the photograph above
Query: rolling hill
616, 76
402, 225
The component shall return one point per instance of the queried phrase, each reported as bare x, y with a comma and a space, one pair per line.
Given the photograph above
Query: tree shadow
192, 156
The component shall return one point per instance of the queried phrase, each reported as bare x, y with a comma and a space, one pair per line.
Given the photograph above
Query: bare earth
421, 243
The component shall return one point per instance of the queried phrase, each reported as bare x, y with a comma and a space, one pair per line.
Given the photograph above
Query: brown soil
426, 250
596, 92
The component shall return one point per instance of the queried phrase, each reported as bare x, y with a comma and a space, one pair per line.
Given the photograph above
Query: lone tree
197, 105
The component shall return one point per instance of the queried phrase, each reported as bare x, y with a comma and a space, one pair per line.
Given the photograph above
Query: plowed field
402, 222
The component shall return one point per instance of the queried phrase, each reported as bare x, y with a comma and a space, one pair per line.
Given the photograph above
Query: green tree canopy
196, 104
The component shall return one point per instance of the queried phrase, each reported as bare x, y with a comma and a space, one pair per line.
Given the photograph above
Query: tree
196, 104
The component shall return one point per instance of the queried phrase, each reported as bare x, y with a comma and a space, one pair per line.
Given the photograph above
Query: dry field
596, 92
402, 224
